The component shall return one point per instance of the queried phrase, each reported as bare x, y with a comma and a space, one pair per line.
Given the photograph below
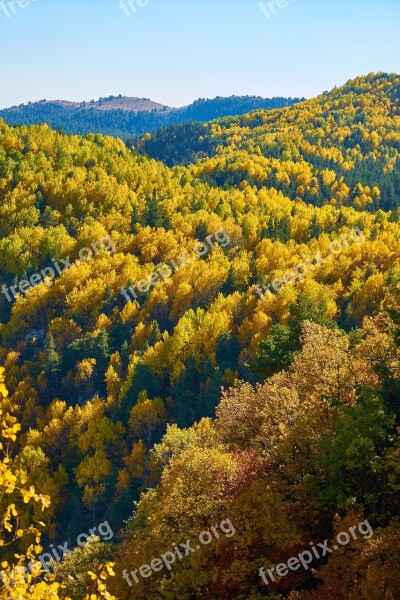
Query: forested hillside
132, 292
341, 148
128, 117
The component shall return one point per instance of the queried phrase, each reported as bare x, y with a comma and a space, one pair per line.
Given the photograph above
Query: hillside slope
341, 148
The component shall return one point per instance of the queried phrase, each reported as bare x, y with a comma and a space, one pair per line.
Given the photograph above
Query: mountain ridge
129, 103
119, 115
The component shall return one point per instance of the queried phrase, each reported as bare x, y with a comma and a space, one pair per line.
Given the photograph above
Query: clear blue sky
175, 51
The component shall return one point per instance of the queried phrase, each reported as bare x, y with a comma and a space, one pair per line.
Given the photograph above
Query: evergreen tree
153, 214
52, 363
315, 228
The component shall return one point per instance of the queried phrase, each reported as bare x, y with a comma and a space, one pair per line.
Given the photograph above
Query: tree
276, 351
153, 215
52, 362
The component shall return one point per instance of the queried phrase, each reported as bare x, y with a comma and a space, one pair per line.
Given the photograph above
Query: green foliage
278, 349
72, 572
353, 462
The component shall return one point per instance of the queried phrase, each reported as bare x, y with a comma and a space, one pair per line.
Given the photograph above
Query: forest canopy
201, 400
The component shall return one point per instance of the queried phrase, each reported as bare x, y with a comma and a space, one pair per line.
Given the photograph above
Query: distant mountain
126, 117
124, 103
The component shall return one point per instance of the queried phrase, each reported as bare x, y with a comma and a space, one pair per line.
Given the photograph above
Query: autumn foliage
200, 400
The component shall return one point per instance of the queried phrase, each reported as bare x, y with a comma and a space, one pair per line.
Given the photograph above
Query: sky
175, 51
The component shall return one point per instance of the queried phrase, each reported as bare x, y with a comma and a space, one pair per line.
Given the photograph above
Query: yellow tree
17, 581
